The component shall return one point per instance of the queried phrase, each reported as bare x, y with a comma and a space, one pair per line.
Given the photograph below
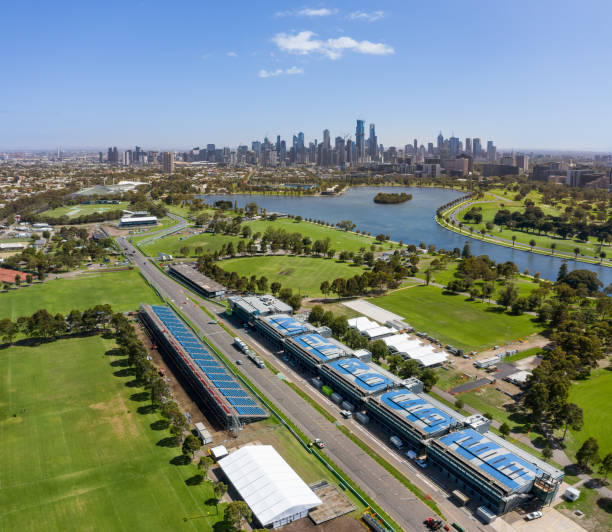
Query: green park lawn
303, 274
124, 290
72, 211
590, 248
174, 243
79, 452
594, 396
453, 319
339, 240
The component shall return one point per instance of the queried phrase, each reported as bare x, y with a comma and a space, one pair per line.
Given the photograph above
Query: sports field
303, 274
72, 211
594, 396
453, 319
124, 290
78, 455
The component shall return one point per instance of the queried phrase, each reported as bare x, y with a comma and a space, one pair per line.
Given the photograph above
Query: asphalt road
399, 502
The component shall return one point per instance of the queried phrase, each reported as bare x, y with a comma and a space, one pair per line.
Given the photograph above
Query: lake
411, 222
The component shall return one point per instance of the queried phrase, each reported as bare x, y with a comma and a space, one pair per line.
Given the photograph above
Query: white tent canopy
272, 489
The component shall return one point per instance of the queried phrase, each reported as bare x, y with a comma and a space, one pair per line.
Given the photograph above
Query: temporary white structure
362, 324
272, 489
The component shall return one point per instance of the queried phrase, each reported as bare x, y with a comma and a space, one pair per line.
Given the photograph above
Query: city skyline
160, 78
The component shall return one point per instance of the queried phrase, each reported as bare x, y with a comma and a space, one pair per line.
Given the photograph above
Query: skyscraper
468, 146
168, 162
440, 141
373, 143
360, 140
491, 151
453, 144
476, 147
301, 154
340, 151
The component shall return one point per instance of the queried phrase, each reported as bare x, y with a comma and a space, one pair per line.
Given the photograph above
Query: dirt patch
117, 416
285, 272
346, 523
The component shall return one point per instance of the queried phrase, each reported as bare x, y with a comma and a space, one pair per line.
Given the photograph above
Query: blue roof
489, 456
208, 364
318, 346
286, 325
417, 410
361, 374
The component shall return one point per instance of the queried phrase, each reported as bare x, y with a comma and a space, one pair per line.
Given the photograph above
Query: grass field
594, 396
339, 240
302, 274
72, 211
78, 455
173, 243
453, 319
124, 290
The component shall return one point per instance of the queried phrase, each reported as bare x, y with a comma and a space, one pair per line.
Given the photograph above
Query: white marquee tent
272, 489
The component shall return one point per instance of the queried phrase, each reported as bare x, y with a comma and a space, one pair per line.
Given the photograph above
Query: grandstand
196, 280
249, 307
217, 390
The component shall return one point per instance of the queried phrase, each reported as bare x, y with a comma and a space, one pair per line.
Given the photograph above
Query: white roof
362, 324
379, 331
219, 451
267, 483
519, 377
432, 359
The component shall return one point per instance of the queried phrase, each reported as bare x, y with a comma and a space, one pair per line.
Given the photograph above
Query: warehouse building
195, 280
497, 473
312, 350
412, 415
217, 390
274, 492
247, 308
409, 346
355, 380
137, 218
276, 328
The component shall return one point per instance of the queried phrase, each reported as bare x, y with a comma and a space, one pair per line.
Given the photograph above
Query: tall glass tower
360, 140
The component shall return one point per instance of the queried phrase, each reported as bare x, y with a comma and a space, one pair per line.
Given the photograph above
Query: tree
219, 490
275, 287
553, 246
428, 378
547, 452
586, 277
507, 295
191, 445
205, 464
504, 428
408, 368
513, 240
562, 271
576, 251
379, 350
325, 288
316, 314
427, 276
459, 403
606, 466
236, 512
466, 253
572, 417
8, 330
588, 453
532, 243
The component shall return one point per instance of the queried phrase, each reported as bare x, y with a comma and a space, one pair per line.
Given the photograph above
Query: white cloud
279, 71
294, 70
307, 12
371, 16
302, 43
231, 54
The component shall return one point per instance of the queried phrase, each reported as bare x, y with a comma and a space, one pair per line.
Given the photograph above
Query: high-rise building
522, 161
491, 151
430, 148
100, 157
282, 155
415, 146
440, 144
301, 152
476, 148
360, 140
468, 146
372, 143
168, 162
453, 145
339, 151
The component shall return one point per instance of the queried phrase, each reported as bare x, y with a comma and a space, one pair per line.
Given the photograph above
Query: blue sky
527, 74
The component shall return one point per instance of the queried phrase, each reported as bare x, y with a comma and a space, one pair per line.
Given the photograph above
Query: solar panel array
286, 325
509, 469
208, 364
361, 374
417, 410
318, 346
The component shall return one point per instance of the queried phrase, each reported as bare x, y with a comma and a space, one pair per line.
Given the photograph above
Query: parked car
239, 362
533, 515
